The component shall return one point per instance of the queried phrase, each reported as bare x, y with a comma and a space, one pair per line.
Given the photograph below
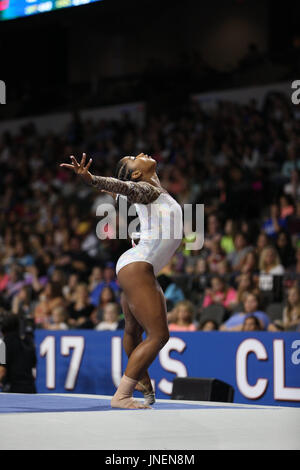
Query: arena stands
240, 161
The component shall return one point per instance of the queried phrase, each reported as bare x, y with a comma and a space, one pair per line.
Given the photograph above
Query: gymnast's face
141, 167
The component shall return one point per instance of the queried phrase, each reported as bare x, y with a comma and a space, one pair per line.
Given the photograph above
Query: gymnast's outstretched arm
140, 192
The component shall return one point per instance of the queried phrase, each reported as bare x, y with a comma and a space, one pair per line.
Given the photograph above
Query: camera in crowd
26, 325
17, 375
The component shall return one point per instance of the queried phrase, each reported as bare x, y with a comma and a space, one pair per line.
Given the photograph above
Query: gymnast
143, 301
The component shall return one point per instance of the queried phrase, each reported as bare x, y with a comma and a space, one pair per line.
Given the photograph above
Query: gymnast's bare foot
148, 392
123, 396
127, 403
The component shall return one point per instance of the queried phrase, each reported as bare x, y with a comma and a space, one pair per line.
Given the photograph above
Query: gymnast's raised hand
80, 168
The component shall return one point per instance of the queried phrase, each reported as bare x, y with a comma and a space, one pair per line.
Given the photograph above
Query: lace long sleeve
140, 192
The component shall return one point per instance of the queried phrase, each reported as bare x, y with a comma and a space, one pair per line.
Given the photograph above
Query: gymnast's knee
132, 328
162, 339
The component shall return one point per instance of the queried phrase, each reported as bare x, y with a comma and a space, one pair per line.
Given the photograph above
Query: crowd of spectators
241, 162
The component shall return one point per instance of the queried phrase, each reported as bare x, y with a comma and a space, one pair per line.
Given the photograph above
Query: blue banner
263, 367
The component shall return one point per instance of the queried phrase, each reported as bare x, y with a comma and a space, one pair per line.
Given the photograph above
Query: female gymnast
143, 301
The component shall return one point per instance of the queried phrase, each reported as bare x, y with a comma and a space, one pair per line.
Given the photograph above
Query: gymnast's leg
147, 305
131, 339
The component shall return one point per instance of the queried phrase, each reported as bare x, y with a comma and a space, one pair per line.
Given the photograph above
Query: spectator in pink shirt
182, 317
4, 279
220, 293
286, 206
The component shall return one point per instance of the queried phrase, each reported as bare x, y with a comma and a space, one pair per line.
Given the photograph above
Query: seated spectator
107, 296
173, 295
16, 281
286, 206
216, 255
241, 248
246, 285
80, 311
251, 307
22, 301
219, 293
109, 280
250, 157
190, 265
262, 242
50, 297
58, 319
251, 323
274, 223
22, 254
201, 274
227, 240
4, 279
293, 223
291, 162
213, 231
249, 228
58, 275
291, 313
249, 263
293, 187
197, 283
35, 279
208, 325
224, 271
179, 258
285, 249
295, 269
110, 318
182, 317
70, 288
95, 278
269, 262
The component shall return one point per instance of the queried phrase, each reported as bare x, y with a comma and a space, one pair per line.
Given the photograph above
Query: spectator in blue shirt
109, 281
251, 304
274, 223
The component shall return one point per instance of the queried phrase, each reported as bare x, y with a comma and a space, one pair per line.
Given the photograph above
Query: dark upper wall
219, 30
